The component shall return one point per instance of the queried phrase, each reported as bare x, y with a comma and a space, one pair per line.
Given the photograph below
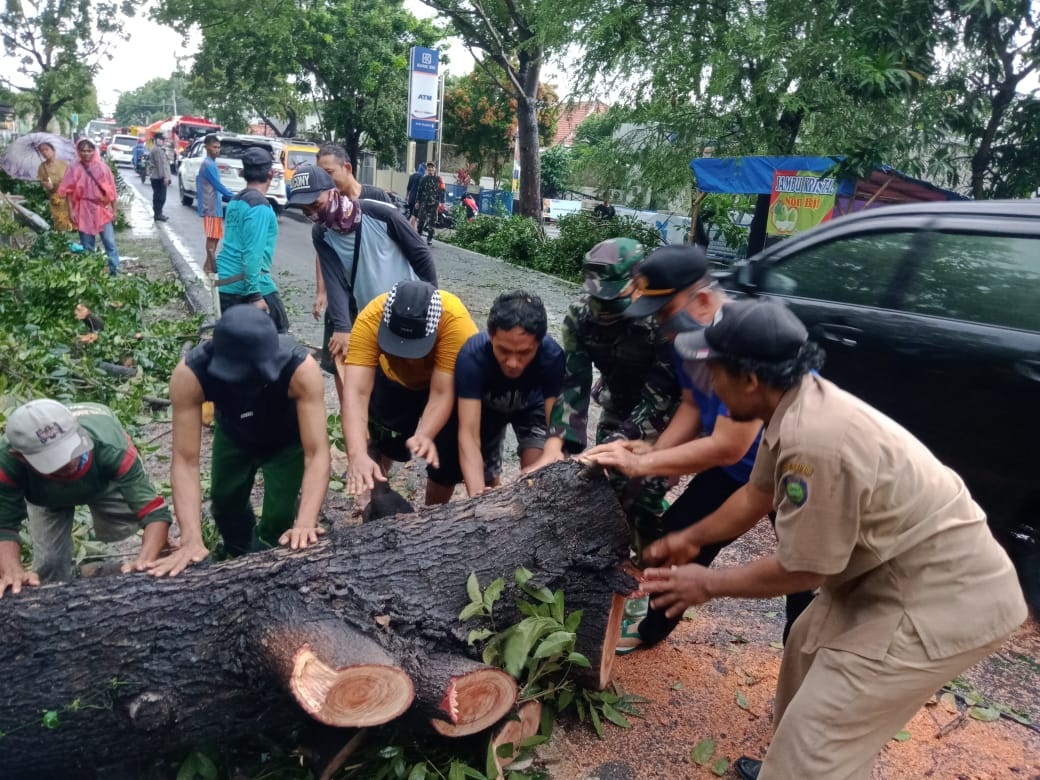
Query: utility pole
440, 122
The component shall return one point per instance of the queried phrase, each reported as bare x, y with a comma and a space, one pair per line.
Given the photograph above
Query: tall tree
517, 36
60, 45
480, 118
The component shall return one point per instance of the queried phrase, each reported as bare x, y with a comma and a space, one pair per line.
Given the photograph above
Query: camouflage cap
608, 267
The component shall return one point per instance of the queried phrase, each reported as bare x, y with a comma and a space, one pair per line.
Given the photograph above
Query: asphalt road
475, 278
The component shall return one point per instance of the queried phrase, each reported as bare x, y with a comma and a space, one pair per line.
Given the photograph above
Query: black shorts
275, 307
393, 414
528, 425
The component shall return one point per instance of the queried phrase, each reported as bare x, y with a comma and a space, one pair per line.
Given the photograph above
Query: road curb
195, 292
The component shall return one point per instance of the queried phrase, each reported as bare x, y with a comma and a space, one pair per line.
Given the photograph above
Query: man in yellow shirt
399, 387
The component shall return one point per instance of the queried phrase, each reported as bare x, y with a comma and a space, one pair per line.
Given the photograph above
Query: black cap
246, 346
256, 156
411, 316
750, 328
664, 272
308, 182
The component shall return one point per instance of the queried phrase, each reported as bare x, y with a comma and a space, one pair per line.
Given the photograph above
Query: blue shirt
478, 375
250, 232
210, 192
693, 376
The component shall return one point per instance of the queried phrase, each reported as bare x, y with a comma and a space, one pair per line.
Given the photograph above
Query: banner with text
800, 200
423, 94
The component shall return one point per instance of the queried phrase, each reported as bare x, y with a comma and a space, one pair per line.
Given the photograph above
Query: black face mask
680, 322
613, 308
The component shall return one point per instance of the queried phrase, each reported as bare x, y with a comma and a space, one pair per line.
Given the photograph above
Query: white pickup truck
229, 164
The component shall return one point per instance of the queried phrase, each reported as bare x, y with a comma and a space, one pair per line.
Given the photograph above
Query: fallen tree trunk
105, 671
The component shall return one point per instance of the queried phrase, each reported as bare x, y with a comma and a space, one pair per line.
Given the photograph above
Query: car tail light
224, 169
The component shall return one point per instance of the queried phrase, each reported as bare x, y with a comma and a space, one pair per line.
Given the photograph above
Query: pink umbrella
22, 156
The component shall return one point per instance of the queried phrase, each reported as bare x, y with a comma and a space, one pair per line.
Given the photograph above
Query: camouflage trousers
642, 498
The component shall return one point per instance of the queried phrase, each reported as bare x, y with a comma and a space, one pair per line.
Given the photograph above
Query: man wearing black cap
269, 400
250, 231
913, 588
399, 387
674, 285
364, 247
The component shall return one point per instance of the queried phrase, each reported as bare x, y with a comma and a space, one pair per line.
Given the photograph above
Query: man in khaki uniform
913, 589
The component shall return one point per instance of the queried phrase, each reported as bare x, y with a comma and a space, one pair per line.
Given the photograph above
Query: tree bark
108, 670
527, 137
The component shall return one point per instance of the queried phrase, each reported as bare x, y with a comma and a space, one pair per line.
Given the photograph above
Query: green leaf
455, 772
556, 608
504, 750
537, 739
205, 767
523, 576
720, 767
742, 701
555, 644
418, 772
948, 702
772, 614
677, 686
985, 714
777, 645
491, 762
573, 620
615, 717
578, 660
471, 611
186, 771
702, 752
473, 588
50, 719
478, 635
902, 736
542, 594
493, 592
565, 698
596, 723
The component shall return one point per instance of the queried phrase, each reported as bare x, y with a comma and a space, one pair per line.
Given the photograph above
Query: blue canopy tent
754, 175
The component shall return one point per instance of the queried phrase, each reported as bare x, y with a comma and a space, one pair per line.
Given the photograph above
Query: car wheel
186, 199
279, 209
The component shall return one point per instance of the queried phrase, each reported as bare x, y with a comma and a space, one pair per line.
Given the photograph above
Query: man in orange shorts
212, 195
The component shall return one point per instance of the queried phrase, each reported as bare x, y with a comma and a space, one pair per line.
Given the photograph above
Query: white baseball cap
47, 435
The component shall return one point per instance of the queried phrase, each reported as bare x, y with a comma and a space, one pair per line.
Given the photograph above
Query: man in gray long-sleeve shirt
390, 250
159, 173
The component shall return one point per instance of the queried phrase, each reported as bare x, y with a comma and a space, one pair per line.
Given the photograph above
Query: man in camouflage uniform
637, 389
429, 195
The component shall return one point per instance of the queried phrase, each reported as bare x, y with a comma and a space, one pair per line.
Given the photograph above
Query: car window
989, 279
125, 140
235, 151
856, 269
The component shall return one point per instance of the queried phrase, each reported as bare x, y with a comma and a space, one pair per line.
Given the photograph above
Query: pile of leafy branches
40, 352
518, 240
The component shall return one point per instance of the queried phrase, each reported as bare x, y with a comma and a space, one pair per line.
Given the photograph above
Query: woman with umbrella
50, 173
92, 195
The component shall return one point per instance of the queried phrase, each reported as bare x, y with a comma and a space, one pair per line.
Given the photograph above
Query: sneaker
630, 641
636, 609
162, 218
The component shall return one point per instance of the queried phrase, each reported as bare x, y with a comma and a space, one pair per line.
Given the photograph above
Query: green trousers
234, 471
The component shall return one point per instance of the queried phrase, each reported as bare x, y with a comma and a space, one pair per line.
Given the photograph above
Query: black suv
931, 313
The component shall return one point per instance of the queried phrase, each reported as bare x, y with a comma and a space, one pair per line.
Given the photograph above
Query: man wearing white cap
54, 458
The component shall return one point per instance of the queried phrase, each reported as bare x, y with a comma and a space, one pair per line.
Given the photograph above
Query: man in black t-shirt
604, 210
269, 400
510, 375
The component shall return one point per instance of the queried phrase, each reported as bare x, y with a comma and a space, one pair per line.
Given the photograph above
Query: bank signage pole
423, 95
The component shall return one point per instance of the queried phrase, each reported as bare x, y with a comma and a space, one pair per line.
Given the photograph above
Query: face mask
680, 322
602, 308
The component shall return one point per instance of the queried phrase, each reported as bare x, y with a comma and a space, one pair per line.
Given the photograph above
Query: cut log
470, 696
526, 723
134, 666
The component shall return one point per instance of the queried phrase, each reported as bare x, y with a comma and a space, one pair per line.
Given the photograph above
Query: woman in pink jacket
91, 190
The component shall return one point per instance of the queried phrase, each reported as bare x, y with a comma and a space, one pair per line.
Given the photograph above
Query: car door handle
1030, 369
846, 335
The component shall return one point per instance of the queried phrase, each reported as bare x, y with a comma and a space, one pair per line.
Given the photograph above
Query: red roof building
572, 115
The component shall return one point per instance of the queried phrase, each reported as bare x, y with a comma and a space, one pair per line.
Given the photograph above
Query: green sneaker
630, 640
635, 609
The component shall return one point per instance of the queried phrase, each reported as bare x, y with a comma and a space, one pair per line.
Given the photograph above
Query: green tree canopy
344, 59
60, 46
480, 117
154, 100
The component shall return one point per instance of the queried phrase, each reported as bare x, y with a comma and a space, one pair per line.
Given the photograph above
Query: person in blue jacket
211, 196
137, 156
251, 230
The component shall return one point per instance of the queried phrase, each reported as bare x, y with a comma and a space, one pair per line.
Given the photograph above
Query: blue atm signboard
423, 88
